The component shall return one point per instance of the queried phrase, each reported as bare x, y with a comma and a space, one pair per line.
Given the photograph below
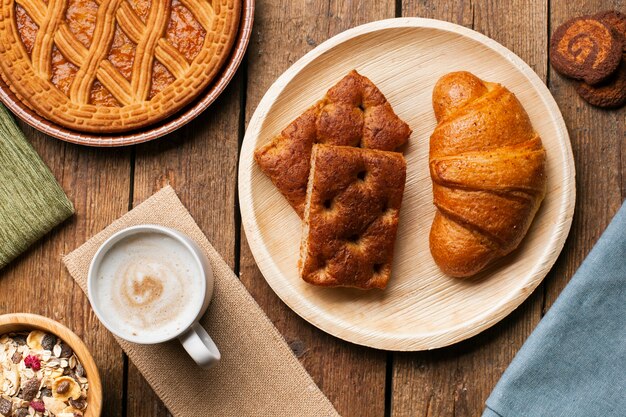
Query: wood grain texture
97, 182
456, 381
599, 144
200, 162
283, 32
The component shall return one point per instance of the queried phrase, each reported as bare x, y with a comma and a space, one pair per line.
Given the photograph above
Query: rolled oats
40, 376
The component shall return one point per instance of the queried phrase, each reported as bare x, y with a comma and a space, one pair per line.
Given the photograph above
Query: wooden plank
97, 181
456, 381
200, 162
352, 377
599, 144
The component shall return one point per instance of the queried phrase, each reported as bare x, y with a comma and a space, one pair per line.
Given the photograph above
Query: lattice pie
353, 113
351, 216
113, 65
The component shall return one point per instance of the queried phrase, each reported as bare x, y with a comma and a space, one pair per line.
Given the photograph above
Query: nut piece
53, 405
80, 371
34, 339
65, 388
71, 411
16, 358
10, 379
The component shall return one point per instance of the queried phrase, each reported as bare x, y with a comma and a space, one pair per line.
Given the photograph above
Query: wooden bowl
26, 322
179, 119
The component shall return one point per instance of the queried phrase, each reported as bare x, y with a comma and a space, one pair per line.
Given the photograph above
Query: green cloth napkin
31, 200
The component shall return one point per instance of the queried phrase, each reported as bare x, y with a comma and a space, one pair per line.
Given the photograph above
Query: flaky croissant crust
487, 165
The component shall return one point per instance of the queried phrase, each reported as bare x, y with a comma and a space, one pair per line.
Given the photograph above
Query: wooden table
200, 162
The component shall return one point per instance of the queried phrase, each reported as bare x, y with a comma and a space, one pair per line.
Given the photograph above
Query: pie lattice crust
107, 66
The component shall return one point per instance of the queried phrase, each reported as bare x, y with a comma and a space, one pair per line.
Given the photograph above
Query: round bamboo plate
162, 128
421, 308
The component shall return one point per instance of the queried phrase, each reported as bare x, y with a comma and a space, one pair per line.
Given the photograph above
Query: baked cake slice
353, 113
351, 216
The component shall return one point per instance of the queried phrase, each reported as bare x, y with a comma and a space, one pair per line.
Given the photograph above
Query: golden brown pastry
353, 113
488, 170
351, 216
112, 65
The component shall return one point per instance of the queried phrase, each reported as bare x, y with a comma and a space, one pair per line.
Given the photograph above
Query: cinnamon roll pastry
616, 20
609, 93
586, 48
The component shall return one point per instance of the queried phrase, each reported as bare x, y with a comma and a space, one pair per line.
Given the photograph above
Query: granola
40, 375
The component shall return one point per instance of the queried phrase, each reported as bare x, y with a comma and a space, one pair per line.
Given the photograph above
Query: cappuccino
149, 285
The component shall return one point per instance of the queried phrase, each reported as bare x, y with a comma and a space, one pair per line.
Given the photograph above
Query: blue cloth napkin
574, 362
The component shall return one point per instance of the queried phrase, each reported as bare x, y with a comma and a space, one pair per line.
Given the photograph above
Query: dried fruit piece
21, 412
48, 341
34, 339
20, 339
65, 388
30, 389
33, 362
66, 351
16, 358
5, 407
79, 404
38, 406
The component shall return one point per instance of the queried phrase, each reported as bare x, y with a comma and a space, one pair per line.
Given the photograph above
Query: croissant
487, 165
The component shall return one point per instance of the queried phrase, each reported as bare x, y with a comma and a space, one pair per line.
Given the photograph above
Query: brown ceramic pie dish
157, 129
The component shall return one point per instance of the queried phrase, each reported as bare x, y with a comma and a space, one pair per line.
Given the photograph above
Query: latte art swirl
149, 288
149, 283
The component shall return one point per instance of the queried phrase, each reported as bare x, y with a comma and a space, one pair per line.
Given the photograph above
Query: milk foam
148, 286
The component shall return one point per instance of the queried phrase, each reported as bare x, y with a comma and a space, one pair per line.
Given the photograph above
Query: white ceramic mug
192, 335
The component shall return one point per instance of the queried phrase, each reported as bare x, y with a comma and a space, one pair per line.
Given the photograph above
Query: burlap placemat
258, 374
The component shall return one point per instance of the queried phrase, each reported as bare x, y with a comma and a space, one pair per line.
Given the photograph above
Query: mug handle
200, 346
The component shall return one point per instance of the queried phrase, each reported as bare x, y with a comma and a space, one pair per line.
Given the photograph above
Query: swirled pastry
113, 65
609, 93
586, 48
616, 20
487, 165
